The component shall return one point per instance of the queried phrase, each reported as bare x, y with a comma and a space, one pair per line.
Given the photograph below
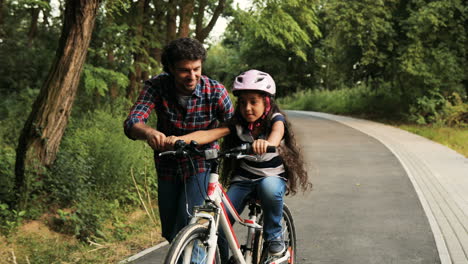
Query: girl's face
251, 105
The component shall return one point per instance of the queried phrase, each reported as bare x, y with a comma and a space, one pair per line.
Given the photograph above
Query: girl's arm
277, 133
274, 139
202, 137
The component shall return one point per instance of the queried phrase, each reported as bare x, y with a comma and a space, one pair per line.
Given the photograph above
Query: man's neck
180, 91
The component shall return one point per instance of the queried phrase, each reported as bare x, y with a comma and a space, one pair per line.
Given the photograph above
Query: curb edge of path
144, 252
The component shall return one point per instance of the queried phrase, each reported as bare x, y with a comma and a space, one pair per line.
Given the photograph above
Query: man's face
187, 75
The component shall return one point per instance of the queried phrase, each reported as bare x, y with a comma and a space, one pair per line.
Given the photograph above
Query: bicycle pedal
282, 259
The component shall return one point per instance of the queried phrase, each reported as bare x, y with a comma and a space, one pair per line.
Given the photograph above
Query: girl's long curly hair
289, 151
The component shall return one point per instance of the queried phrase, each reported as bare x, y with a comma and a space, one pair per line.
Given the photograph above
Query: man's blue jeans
176, 200
270, 191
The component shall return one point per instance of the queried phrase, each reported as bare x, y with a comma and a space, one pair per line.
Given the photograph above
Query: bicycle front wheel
190, 246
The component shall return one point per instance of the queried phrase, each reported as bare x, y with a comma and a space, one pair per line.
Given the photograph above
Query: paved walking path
439, 176
381, 195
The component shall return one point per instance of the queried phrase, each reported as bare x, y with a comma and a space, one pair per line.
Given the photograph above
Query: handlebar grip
271, 149
179, 144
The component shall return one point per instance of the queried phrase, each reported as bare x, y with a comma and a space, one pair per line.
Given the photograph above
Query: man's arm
135, 125
144, 132
202, 137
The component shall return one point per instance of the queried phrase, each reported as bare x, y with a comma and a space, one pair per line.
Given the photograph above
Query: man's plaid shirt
209, 105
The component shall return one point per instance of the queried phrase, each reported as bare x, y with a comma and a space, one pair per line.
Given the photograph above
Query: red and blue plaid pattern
209, 105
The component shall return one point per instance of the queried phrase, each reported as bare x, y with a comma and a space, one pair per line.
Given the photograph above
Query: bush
92, 172
455, 112
7, 177
359, 100
439, 110
96, 157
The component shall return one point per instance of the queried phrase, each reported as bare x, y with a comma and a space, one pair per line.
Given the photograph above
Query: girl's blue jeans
270, 191
176, 200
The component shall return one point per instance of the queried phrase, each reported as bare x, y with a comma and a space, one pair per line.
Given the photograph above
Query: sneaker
232, 260
276, 247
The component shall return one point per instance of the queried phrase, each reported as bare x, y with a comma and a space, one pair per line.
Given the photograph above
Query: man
185, 101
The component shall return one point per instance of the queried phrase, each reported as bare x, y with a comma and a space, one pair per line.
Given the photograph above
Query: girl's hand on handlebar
259, 146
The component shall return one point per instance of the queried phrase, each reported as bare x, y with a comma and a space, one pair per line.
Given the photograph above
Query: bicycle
197, 242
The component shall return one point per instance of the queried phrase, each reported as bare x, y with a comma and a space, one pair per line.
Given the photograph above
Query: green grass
455, 138
35, 242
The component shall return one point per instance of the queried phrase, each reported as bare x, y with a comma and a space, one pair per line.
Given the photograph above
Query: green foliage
360, 100
435, 58
456, 112
10, 219
24, 64
95, 152
287, 25
440, 110
97, 80
222, 64
92, 172
274, 37
427, 108
85, 222
410, 56
7, 167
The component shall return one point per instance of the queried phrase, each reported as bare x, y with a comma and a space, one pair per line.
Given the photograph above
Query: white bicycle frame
218, 196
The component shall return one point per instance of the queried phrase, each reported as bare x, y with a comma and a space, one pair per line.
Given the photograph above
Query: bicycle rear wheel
289, 235
190, 246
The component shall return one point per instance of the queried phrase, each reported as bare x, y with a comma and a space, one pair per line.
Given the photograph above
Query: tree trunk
185, 15
33, 25
138, 58
203, 32
171, 21
46, 15
146, 45
113, 89
200, 16
42, 133
1, 16
159, 14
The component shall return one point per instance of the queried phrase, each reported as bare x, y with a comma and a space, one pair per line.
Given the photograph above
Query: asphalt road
362, 209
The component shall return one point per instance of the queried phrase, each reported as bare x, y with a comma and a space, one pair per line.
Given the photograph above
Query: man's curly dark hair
182, 49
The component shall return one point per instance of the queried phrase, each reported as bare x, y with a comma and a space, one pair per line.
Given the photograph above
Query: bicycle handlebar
182, 149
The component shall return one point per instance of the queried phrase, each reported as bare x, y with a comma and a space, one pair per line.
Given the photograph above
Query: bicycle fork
212, 221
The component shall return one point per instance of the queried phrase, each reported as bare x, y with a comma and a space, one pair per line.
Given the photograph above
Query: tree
360, 40
276, 37
173, 18
1, 16
140, 51
202, 32
42, 133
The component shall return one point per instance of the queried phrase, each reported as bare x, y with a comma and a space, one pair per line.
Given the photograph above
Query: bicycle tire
260, 253
194, 233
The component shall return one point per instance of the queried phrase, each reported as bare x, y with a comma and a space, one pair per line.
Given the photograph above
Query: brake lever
239, 155
165, 153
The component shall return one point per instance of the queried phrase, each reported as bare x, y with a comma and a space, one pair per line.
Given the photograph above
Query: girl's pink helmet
253, 80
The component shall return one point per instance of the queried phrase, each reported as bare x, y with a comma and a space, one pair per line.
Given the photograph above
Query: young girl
258, 120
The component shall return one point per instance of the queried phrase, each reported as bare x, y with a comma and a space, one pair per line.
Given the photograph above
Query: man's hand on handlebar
170, 141
156, 139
